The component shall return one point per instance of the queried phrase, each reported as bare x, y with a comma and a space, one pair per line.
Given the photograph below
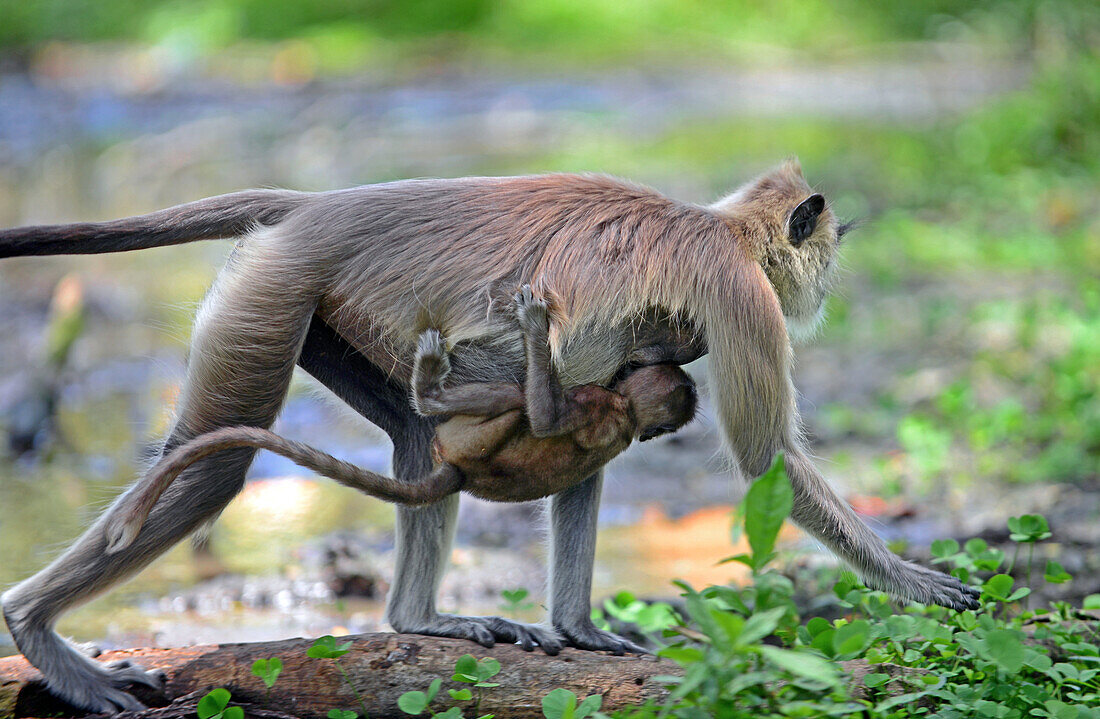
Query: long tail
214, 217
130, 514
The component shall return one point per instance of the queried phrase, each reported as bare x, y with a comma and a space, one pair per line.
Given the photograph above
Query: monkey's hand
585, 635
927, 586
531, 311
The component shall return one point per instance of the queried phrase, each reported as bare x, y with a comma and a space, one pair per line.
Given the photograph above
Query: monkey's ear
804, 219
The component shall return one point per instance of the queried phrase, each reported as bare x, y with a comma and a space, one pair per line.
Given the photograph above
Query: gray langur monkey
344, 282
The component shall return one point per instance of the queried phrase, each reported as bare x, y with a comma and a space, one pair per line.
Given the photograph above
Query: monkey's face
662, 396
793, 234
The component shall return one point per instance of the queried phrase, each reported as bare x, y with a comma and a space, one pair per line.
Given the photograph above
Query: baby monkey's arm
549, 411
431, 366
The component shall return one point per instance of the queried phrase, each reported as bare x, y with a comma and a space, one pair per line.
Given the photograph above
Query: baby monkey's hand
531, 311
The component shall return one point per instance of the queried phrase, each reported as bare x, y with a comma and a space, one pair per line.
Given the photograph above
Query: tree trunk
381, 666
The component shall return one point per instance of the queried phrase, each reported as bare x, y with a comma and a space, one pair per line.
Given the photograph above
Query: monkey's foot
585, 635
929, 586
103, 688
432, 348
72, 676
531, 311
486, 631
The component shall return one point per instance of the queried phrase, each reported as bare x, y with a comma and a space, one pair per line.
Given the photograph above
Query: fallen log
381, 666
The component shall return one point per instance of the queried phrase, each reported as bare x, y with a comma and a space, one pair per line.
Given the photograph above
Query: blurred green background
957, 379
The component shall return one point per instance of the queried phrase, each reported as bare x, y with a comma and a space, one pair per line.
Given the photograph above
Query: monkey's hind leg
432, 365
245, 344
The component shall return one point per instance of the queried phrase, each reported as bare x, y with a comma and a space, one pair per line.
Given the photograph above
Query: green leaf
413, 702
233, 713
461, 695
433, 688
944, 548
817, 625
823, 642
559, 704
487, 668
1055, 573
466, 669
975, 546
1028, 528
514, 596
731, 625
875, 680
590, 705
213, 703
760, 625
803, 664
682, 655
452, 713
268, 670
1092, 601
326, 648
767, 505
342, 714
851, 639
1005, 650
998, 586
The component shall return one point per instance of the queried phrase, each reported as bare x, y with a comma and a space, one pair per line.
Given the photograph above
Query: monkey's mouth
653, 432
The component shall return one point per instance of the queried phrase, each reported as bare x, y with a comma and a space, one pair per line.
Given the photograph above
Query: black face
803, 219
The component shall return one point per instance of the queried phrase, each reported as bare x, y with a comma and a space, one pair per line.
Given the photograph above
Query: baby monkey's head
662, 396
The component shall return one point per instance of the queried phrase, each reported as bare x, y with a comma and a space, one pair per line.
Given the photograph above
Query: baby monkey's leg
548, 410
432, 365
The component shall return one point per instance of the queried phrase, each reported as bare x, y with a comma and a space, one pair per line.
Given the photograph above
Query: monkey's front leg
572, 553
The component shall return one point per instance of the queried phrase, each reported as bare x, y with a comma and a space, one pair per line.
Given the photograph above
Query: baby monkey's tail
229, 215
129, 515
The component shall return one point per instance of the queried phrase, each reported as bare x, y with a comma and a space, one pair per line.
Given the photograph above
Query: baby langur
503, 442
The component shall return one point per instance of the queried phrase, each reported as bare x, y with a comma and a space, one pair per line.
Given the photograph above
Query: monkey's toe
528, 636
431, 344
588, 636
125, 672
449, 625
531, 312
930, 586
88, 649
